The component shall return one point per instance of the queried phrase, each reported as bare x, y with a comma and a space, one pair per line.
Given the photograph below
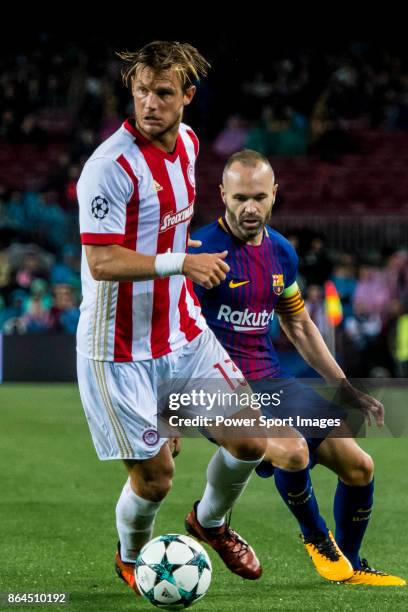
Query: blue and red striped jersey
240, 309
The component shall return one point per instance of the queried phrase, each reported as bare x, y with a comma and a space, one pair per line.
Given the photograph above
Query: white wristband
168, 264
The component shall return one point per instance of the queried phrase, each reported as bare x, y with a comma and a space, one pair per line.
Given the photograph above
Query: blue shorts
299, 402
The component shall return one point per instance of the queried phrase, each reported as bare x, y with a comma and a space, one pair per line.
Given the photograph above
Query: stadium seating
374, 180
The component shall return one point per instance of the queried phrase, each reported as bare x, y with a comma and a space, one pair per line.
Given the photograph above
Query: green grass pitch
57, 503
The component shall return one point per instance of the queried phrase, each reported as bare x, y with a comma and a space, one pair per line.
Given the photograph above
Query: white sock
134, 522
227, 478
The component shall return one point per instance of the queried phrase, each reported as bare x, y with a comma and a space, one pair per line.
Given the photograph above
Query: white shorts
121, 399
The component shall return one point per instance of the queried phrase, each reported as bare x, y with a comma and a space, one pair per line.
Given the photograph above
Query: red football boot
237, 554
126, 571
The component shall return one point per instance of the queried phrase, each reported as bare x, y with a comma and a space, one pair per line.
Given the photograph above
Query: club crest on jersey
190, 174
171, 219
100, 207
277, 283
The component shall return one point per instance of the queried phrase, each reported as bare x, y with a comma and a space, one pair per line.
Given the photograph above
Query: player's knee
290, 454
247, 449
154, 484
298, 456
156, 490
362, 471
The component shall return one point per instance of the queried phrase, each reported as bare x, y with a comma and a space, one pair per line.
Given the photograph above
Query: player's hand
206, 269
194, 243
371, 407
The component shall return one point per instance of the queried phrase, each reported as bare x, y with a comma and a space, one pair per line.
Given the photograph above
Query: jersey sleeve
290, 302
103, 193
292, 268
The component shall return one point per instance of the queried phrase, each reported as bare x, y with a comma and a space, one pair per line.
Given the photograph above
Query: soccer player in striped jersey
140, 321
261, 281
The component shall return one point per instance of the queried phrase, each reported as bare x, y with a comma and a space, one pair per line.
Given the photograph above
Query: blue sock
296, 490
352, 511
265, 469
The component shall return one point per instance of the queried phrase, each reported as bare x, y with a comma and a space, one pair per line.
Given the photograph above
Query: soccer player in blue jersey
261, 281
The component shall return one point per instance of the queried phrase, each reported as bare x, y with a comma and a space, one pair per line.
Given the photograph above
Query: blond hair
166, 55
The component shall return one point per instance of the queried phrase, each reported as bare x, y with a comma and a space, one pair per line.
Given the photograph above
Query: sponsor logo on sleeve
99, 207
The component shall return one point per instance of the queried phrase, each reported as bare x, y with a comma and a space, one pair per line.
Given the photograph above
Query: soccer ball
173, 571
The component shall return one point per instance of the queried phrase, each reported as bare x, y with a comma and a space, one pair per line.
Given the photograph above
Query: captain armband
290, 302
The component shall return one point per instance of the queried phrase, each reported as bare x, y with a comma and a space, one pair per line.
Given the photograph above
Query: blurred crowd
59, 100
39, 293
297, 100
372, 338
310, 103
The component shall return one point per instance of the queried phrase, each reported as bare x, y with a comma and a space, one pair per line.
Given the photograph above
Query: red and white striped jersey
134, 194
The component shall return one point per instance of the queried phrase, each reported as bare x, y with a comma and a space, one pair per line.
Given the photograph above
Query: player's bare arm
307, 339
117, 263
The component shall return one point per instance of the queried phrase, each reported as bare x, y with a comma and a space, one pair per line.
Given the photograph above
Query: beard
248, 226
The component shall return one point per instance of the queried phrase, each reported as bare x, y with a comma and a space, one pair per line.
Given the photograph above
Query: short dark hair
166, 55
246, 157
